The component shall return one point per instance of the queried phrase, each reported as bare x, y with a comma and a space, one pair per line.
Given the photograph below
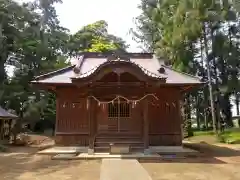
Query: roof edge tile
53, 73
186, 74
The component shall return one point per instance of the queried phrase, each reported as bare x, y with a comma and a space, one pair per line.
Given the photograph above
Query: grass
203, 133
231, 136
3, 148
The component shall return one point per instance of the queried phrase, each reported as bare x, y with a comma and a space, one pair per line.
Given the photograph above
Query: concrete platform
117, 169
82, 152
64, 150
86, 156
169, 150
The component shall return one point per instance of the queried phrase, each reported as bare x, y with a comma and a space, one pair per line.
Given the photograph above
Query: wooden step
102, 149
118, 137
134, 144
110, 140
103, 141
119, 141
107, 149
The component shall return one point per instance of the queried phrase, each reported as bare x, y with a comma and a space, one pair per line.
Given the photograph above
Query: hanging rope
167, 104
119, 96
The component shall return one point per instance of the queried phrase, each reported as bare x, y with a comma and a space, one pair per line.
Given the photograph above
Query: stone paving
122, 169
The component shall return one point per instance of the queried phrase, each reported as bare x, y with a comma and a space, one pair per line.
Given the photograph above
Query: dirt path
216, 162
192, 171
17, 166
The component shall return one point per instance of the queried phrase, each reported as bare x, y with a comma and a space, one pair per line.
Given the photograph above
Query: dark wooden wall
72, 124
164, 119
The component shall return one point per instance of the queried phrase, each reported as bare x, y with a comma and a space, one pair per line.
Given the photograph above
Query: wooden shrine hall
130, 100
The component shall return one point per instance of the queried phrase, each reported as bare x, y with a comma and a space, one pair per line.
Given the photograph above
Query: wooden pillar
1, 129
180, 121
10, 129
57, 115
91, 126
145, 125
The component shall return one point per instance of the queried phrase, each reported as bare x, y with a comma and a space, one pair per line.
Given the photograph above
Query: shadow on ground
22, 163
207, 154
197, 159
213, 150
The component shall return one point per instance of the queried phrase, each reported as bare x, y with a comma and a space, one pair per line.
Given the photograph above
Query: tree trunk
237, 103
18, 126
209, 79
205, 118
217, 106
205, 94
2, 71
227, 110
188, 115
197, 112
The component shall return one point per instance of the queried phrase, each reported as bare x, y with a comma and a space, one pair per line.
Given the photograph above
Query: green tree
37, 45
95, 38
34, 42
199, 37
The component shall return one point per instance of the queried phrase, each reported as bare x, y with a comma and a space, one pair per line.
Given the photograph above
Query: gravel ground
193, 170
214, 163
24, 166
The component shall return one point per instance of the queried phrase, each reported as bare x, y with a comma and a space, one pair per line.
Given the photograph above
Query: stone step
129, 143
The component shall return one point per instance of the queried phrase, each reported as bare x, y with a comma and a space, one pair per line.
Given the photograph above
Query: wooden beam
185, 88
139, 84
72, 133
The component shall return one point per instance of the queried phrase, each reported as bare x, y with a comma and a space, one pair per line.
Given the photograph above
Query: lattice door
120, 113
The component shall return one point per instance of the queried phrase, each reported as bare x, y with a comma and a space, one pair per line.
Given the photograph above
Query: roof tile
149, 65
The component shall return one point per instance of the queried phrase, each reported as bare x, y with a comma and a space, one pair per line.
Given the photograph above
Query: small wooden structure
6, 121
128, 99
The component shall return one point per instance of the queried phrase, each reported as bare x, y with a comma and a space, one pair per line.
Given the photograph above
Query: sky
119, 14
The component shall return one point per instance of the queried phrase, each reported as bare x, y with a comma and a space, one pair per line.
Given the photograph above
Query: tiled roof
85, 70
145, 61
177, 77
5, 114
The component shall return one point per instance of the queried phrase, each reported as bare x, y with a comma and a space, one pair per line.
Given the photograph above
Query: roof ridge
106, 54
196, 77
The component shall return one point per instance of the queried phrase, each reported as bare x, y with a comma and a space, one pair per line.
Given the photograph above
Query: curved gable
118, 66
